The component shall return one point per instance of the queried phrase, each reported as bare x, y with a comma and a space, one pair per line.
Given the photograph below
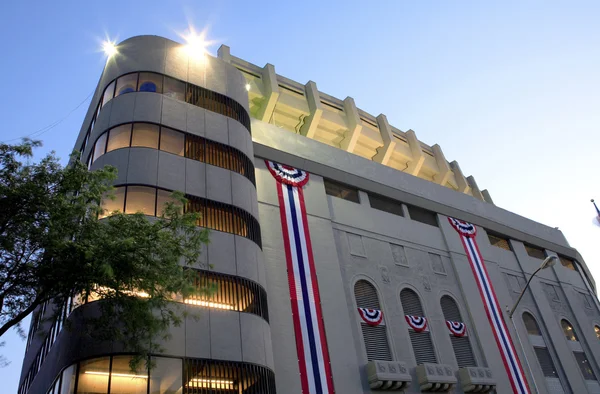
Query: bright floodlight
109, 48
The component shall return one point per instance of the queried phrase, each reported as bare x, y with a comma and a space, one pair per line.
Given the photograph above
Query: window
150, 82
93, 376
212, 376
422, 215
531, 325
499, 242
535, 252
546, 363
386, 204
584, 366
568, 330
126, 84
140, 199
597, 331
461, 345
119, 137
109, 205
171, 141
108, 93
125, 381
145, 134
174, 88
421, 341
165, 377
375, 337
339, 190
99, 148
568, 263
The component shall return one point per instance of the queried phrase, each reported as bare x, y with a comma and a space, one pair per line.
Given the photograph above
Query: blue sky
510, 90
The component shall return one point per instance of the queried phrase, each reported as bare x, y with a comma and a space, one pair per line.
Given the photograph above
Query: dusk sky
510, 90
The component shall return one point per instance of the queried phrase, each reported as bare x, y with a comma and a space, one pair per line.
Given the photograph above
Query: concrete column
418, 157
474, 188
486, 196
405, 211
441, 177
224, 53
309, 128
389, 144
354, 125
271, 93
363, 197
461, 181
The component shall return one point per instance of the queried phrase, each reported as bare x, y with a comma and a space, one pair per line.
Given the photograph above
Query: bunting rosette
373, 317
286, 174
458, 329
417, 323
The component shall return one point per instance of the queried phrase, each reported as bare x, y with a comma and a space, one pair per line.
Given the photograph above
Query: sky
511, 89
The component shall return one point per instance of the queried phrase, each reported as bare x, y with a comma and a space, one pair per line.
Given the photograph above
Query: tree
53, 247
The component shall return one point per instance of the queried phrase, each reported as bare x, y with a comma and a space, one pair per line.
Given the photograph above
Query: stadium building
350, 257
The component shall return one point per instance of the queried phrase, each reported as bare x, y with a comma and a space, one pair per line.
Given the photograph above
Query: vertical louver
461, 345
543, 356
375, 338
421, 341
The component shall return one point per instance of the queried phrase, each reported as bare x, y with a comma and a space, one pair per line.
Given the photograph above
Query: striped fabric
311, 343
467, 233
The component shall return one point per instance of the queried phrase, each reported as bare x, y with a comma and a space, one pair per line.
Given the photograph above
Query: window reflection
140, 199
597, 331
145, 134
568, 330
171, 141
99, 148
93, 376
150, 82
174, 88
126, 84
68, 380
165, 378
108, 93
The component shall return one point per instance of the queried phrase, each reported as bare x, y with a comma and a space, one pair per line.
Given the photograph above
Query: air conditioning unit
476, 380
388, 375
436, 377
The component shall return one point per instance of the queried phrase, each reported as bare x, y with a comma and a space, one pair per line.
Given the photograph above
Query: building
340, 266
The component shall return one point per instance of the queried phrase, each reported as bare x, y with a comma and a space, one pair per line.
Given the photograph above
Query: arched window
531, 325
597, 331
421, 341
375, 337
568, 330
461, 345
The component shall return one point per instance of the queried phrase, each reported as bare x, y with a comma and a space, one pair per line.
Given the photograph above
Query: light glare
109, 48
248, 87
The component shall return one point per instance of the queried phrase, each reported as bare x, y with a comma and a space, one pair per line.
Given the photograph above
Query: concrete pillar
474, 188
271, 93
309, 128
441, 177
389, 144
224, 53
418, 157
354, 125
461, 181
486, 196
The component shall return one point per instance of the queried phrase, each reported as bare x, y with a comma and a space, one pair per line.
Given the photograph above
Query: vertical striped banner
467, 233
311, 343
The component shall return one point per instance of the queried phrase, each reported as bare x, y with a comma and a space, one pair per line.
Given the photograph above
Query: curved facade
388, 283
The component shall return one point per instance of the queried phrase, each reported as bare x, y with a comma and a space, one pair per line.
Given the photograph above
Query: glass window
125, 381
110, 206
171, 141
165, 377
422, 215
568, 330
584, 366
535, 252
100, 147
174, 88
568, 263
126, 84
341, 191
150, 82
145, 134
498, 241
386, 204
108, 93
597, 331
93, 376
140, 199
531, 324
119, 137
163, 197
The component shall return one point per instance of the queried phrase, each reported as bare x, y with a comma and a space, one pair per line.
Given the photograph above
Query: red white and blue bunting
458, 329
373, 317
311, 343
417, 323
467, 233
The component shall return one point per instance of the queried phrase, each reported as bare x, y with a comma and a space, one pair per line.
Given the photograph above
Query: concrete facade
296, 125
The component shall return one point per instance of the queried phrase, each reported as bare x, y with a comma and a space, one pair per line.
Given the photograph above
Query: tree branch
17, 319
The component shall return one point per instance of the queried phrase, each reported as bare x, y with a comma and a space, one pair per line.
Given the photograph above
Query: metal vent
422, 347
375, 338
543, 356
366, 295
461, 345
411, 303
450, 309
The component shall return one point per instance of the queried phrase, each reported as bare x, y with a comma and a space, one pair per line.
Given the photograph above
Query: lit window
568, 331
108, 93
126, 84
597, 331
339, 190
162, 198
109, 206
124, 380
140, 199
145, 134
100, 147
171, 141
174, 89
150, 82
93, 376
119, 137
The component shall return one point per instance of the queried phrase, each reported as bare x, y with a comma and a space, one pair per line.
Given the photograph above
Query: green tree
53, 246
